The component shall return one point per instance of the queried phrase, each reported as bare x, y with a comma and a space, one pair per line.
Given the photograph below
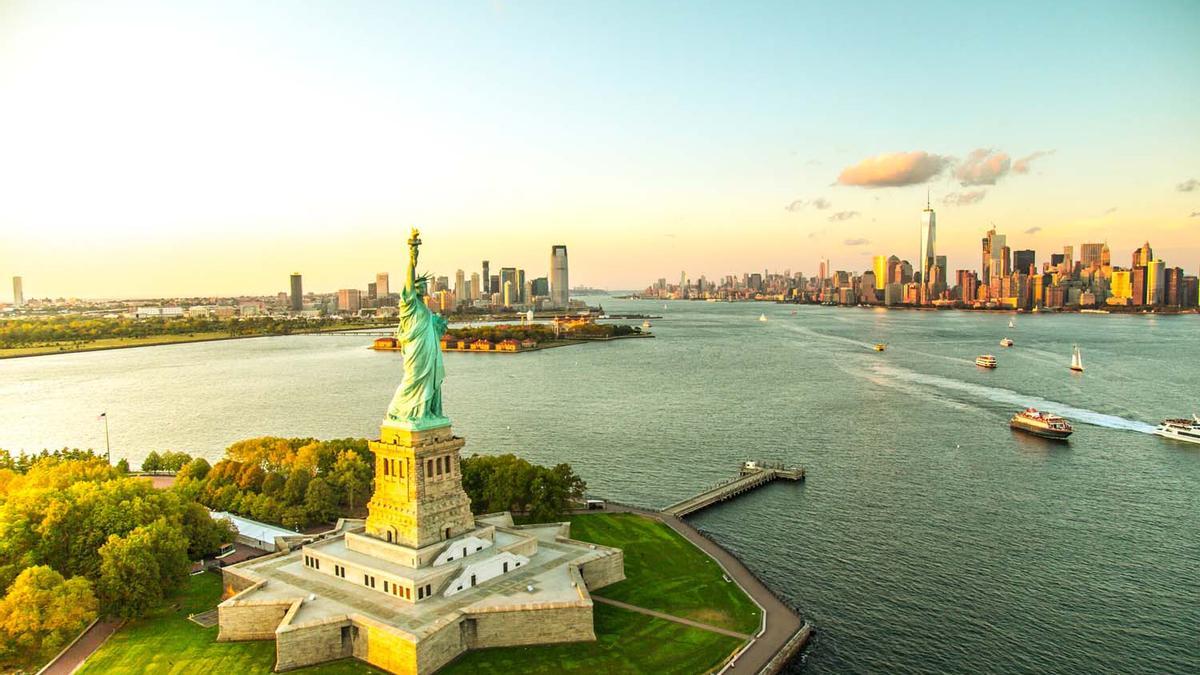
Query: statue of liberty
417, 404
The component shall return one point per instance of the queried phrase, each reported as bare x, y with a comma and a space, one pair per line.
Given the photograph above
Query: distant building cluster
1006, 279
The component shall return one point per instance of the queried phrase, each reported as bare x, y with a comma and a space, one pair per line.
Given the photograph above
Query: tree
205, 534
352, 474
152, 462
174, 461
197, 469
123, 465
273, 484
251, 478
295, 486
140, 568
42, 611
320, 501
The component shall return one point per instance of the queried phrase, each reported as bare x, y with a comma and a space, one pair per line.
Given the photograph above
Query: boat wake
1001, 395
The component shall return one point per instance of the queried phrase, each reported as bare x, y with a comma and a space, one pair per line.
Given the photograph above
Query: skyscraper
461, 292
1142, 256
18, 292
928, 242
297, 296
559, 291
487, 279
880, 268
997, 263
349, 300
1024, 260
522, 297
1156, 282
475, 289
1091, 254
381, 285
509, 290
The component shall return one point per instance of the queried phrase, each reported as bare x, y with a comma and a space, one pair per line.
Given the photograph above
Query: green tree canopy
138, 569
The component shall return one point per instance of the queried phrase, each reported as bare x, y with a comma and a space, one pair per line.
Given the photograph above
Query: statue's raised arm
414, 243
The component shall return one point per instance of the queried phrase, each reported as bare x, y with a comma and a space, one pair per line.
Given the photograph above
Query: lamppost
107, 447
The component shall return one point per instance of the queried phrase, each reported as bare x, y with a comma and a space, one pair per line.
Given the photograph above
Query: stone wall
250, 619
603, 571
385, 647
234, 582
296, 647
531, 627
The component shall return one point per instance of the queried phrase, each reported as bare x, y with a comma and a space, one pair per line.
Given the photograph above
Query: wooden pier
751, 476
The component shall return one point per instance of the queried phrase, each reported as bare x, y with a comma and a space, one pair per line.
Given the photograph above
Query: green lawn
626, 642
166, 642
665, 572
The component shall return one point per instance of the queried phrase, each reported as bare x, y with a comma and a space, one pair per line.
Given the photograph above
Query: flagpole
107, 447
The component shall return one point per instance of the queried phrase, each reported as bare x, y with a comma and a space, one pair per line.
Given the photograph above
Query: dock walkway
753, 475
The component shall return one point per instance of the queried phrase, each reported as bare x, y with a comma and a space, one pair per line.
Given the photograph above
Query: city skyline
785, 146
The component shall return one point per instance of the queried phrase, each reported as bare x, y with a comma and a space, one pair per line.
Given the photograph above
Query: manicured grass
110, 343
166, 642
626, 642
665, 572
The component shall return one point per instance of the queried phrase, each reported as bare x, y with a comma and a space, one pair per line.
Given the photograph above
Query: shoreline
164, 340
1099, 311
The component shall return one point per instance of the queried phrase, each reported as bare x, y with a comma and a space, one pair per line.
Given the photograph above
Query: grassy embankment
664, 573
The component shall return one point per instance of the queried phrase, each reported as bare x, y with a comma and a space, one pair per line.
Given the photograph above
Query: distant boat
762, 317
880, 346
985, 361
1076, 360
1041, 424
1187, 431
1006, 342
1012, 323
646, 323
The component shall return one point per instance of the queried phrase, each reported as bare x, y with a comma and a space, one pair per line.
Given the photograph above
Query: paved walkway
670, 617
782, 622
72, 658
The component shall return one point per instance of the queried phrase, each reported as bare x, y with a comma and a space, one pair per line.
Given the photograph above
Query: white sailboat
1076, 360
1012, 323
762, 317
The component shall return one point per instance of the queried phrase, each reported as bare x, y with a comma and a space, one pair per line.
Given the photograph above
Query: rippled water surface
928, 537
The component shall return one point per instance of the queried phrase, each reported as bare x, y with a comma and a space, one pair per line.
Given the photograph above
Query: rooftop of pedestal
547, 572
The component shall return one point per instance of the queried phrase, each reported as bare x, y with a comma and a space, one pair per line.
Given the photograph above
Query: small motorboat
985, 361
880, 346
1006, 342
646, 323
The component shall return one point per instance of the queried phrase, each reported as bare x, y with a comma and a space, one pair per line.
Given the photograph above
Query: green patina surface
417, 404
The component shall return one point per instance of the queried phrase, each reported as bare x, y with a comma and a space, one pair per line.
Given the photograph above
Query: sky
175, 149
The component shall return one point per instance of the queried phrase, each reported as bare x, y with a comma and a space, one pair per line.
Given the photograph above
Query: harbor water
928, 537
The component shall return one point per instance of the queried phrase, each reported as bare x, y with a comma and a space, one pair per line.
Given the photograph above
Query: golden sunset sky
159, 149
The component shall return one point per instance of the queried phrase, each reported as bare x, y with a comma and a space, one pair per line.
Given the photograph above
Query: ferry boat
1041, 424
1187, 431
1076, 360
985, 361
1006, 342
880, 346
762, 317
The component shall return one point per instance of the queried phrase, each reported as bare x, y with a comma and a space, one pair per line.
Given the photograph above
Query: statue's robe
418, 400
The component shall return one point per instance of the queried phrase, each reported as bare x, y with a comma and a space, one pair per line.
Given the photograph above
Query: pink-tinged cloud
894, 169
1188, 185
820, 203
964, 198
842, 215
1022, 165
983, 167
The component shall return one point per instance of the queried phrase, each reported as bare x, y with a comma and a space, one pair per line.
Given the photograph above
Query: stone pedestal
418, 499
